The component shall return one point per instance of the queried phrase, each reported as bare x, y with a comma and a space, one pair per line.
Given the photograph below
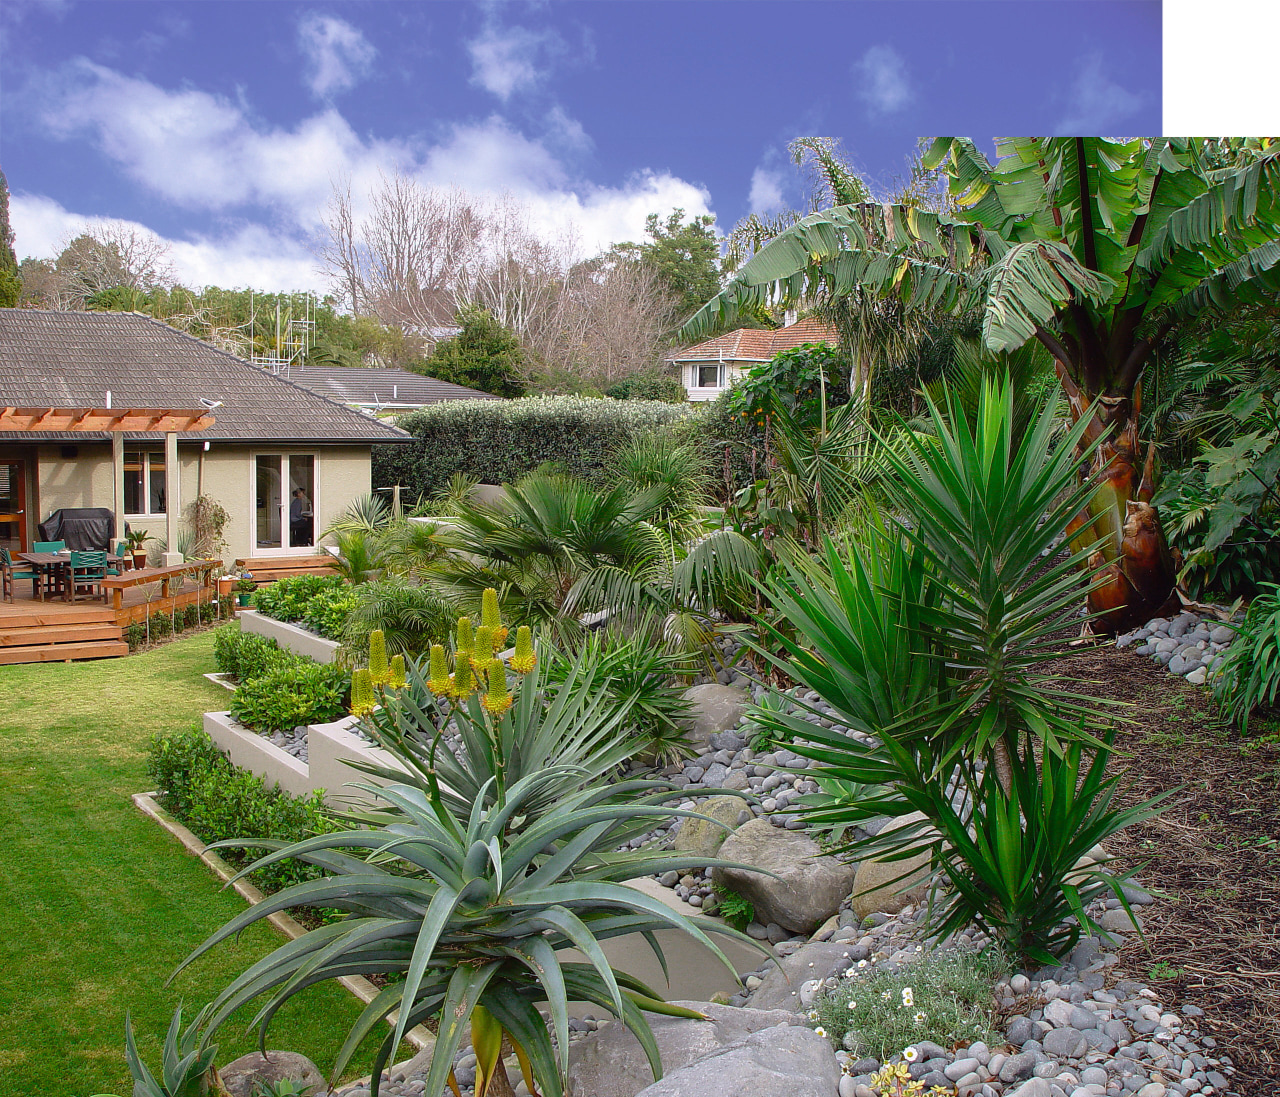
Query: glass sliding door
268, 501
13, 505
285, 490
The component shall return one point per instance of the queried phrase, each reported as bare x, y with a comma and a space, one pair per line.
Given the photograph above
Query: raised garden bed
297, 639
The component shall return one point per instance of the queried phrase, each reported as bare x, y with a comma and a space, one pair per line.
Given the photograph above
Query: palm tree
1098, 249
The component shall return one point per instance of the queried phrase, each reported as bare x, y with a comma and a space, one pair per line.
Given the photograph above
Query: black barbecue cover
84, 528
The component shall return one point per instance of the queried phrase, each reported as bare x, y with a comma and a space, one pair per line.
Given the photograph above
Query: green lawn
99, 904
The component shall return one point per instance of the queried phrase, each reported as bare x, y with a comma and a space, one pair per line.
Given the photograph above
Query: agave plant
187, 1068
928, 643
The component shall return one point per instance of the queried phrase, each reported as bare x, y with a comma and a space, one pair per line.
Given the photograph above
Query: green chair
52, 577
10, 573
87, 571
122, 550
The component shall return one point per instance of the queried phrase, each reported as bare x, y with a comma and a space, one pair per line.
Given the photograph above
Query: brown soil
1213, 936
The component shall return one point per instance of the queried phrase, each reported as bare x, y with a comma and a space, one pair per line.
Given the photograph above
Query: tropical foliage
1098, 249
1249, 674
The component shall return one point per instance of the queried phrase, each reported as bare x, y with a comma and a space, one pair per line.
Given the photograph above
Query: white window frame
285, 548
147, 454
696, 378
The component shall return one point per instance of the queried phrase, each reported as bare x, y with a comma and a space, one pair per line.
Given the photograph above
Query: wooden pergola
118, 422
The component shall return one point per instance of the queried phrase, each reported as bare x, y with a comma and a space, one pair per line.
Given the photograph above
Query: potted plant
244, 588
135, 539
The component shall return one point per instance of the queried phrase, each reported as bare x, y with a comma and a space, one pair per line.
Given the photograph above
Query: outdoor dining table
50, 562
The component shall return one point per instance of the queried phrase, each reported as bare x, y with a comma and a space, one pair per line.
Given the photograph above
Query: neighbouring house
378, 391
711, 367
283, 461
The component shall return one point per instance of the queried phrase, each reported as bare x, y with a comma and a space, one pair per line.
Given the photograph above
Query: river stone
807, 888
780, 988
243, 1077
702, 837
774, 1062
611, 1063
875, 889
715, 708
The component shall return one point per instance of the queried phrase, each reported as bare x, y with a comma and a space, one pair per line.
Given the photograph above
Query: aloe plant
187, 1068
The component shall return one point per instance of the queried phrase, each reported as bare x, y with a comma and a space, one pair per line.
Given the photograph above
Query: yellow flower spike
483, 654
462, 682
490, 616
525, 658
361, 692
466, 638
398, 676
498, 699
379, 671
438, 679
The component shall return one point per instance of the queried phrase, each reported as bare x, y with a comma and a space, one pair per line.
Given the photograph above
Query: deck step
33, 615
57, 632
57, 653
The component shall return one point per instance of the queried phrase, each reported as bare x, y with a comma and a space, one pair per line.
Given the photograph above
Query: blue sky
222, 126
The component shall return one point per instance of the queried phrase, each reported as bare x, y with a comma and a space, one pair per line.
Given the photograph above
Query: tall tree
685, 256
483, 355
10, 282
1099, 249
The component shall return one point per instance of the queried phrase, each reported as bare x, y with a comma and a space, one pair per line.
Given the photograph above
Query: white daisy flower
887, 995
852, 1004
910, 1054
820, 1031
919, 1018
813, 1015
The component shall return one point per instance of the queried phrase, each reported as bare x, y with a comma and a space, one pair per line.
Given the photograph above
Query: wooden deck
266, 569
55, 631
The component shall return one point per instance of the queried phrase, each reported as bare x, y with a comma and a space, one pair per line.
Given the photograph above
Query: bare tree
103, 255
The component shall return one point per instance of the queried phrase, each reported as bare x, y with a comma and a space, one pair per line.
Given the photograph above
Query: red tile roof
758, 344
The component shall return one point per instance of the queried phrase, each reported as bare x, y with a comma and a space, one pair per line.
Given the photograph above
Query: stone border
298, 640
258, 754
223, 680
358, 985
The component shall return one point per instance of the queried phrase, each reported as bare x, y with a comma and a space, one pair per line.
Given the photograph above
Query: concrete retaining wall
297, 640
330, 747
259, 755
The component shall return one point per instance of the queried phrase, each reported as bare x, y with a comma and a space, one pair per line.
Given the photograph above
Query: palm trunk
1136, 569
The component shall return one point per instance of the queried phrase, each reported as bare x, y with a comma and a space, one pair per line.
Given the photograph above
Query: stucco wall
342, 474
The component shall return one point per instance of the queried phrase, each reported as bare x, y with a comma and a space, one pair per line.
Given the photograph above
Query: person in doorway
299, 518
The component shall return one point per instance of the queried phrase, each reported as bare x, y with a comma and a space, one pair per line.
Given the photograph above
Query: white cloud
505, 60
1097, 104
766, 191
337, 53
882, 80
205, 153
249, 256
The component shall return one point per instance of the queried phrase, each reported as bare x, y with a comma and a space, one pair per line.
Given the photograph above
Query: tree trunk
1137, 573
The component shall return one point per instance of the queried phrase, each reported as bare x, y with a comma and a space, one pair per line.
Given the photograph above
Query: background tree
1099, 249
10, 283
685, 257
483, 355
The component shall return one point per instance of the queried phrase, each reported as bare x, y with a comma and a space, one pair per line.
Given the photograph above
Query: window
144, 491
284, 515
707, 376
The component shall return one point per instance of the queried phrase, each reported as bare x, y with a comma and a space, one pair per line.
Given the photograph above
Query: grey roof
388, 387
71, 359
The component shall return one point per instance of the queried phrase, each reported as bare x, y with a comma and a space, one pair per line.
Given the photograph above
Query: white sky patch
882, 80
338, 55
1096, 104
766, 191
505, 60
203, 152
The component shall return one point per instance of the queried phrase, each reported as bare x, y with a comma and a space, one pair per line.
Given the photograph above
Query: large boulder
243, 1077
780, 988
611, 1063
775, 1062
715, 708
699, 836
806, 887
888, 886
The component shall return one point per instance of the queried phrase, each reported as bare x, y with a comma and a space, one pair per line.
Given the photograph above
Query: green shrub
731, 446
288, 695
160, 625
217, 801
191, 616
497, 441
411, 617
735, 909
245, 655
944, 998
328, 611
1249, 673
649, 386
287, 599
134, 635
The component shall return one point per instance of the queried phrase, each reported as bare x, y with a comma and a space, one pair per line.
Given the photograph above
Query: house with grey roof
381, 391
283, 460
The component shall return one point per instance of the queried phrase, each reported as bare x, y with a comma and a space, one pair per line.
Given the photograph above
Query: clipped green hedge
292, 694
200, 786
245, 655
287, 599
497, 441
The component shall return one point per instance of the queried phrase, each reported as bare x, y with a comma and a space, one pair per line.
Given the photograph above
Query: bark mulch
1213, 936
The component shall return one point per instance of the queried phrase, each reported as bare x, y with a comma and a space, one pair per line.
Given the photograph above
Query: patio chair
11, 573
52, 576
122, 550
87, 571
